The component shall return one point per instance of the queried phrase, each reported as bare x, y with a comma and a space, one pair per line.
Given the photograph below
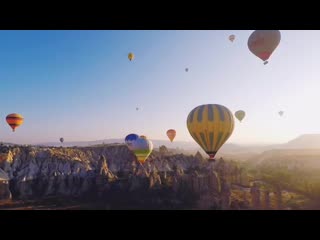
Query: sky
80, 85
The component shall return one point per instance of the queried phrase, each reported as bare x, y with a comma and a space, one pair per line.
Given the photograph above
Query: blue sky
81, 85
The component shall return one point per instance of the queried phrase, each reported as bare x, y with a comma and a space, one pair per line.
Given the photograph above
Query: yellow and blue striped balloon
210, 126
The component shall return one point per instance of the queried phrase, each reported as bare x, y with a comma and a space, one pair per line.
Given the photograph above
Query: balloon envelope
171, 133
232, 37
14, 120
130, 139
210, 126
142, 148
61, 140
262, 43
240, 115
130, 56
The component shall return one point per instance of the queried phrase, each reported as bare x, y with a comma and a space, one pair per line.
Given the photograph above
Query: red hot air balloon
262, 43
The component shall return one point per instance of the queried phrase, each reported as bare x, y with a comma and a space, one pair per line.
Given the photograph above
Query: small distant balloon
281, 113
232, 37
187, 69
240, 115
130, 56
61, 140
14, 120
171, 133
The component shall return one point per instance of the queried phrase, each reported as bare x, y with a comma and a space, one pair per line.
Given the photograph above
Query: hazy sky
81, 85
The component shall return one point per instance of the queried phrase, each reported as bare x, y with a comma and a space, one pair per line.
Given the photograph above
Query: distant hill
301, 143
305, 141
303, 157
305, 148
156, 143
178, 146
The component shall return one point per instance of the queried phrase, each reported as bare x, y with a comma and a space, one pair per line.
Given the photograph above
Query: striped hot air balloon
14, 120
210, 126
142, 148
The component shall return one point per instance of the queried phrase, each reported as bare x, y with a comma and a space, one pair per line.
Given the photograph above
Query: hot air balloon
210, 126
232, 37
14, 120
137, 108
61, 140
171, 133
240, 115
281, 113
187, 69
142, 148
130, 139
262, 43
131, 56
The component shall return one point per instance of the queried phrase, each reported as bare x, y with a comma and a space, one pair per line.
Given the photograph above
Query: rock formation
41, 172
5, 193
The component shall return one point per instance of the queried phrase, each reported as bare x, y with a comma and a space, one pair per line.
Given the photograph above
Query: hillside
305, 141
305, 156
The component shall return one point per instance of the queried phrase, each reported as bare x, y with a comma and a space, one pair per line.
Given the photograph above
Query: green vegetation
296, 179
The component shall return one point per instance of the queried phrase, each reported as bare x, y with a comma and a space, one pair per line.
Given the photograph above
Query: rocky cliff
111, 174
50, 171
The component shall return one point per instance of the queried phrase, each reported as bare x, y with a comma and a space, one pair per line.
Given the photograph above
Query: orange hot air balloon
262, 43
14, 120
171, 133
